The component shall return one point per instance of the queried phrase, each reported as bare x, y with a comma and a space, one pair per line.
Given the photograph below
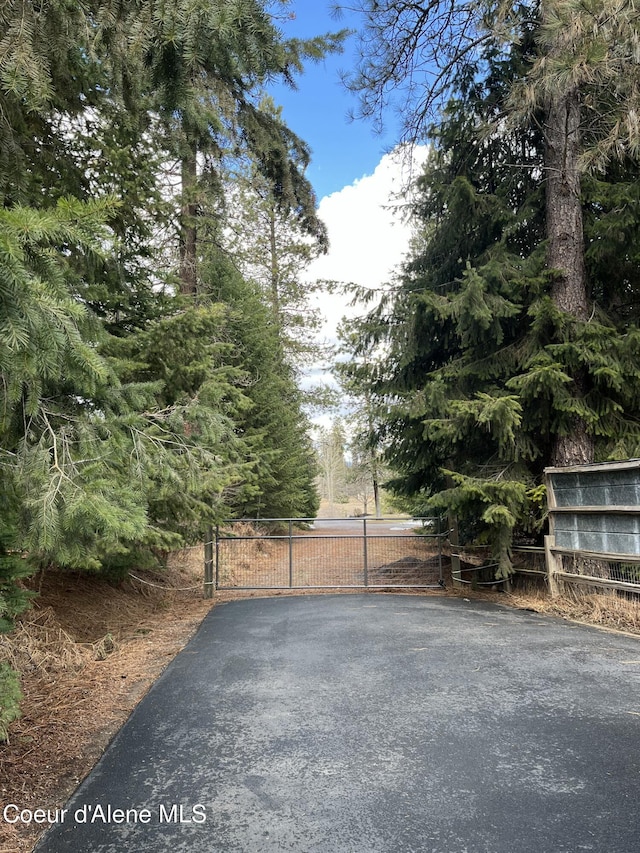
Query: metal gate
351, 553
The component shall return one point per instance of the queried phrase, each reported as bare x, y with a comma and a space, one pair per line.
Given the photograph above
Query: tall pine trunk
565, 248
274, 268
188, 229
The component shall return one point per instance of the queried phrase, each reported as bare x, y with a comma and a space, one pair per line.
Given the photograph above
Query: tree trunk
565, 252
376, 496
274, 268
565, 248
188, 232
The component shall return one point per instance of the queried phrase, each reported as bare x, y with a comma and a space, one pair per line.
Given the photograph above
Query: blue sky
342, 150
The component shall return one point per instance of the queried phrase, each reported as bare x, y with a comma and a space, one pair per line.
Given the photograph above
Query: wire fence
477, 566
620, 574
330, 554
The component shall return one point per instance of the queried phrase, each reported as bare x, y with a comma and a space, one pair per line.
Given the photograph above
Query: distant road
333, 527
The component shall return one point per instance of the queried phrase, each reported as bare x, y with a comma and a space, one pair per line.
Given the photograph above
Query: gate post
217, 578
208, 563
290, 554
366, 555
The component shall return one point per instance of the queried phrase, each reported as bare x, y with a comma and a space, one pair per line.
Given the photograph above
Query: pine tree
480, 362
331, 447
274, 428
207, 63
583, 60
73, 273
366, 448
272, 247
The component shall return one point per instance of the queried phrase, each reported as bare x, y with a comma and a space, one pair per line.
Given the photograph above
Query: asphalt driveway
374, 724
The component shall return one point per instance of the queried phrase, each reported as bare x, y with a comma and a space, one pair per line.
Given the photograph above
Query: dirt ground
89, 651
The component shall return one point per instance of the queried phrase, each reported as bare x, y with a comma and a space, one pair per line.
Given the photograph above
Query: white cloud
367, 239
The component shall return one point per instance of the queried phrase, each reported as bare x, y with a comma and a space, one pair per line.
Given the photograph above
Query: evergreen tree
354, 375
207, 64
331, 448
93, 100
418, 52
480, 366
280, 482
270, 246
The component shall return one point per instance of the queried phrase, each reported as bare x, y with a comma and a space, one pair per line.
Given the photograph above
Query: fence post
208, 563
455, 556
365, 551
551, 559
217, 583
290, 554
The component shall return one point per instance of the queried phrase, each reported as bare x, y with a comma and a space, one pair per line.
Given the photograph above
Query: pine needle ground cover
88, 651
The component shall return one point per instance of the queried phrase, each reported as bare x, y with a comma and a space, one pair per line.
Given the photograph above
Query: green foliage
333, 473
592, 47
273, 426
206, 64
13, 565
40, 326
271, 246
187, 450
13, 600
497, 503
10, 697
